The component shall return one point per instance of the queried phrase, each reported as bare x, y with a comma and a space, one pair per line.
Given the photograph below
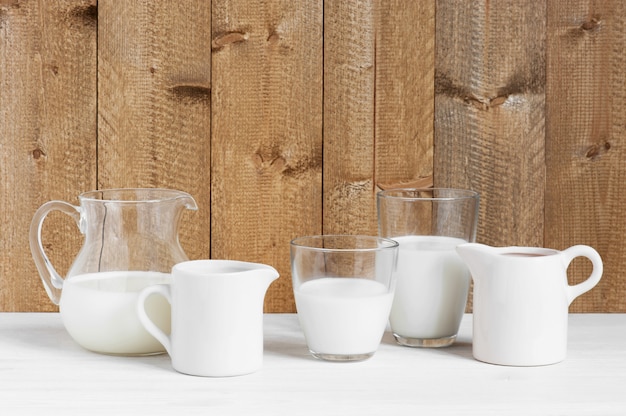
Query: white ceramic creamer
217, 316
521, 300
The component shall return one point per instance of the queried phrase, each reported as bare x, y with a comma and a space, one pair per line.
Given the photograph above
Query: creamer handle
52, 281
583, 251
151, 327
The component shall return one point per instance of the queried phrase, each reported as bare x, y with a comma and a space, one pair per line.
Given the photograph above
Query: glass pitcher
131, 242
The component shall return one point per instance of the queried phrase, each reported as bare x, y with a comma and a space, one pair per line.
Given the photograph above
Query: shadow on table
295, 346
461, 348
49, 338
287, 341
43, 336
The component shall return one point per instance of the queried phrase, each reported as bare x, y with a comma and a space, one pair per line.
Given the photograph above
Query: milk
99, 310
432, 285
343, 316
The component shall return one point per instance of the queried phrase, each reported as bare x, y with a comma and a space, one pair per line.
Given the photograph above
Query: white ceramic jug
521, 300
217, 316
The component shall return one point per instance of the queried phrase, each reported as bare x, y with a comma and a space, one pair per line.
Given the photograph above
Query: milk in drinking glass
432, 280
432, 284
343, 316
343, 286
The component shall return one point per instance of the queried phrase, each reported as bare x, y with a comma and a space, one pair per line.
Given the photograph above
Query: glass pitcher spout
188, 201
184, 199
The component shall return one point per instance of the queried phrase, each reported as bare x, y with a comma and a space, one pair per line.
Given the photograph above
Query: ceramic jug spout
244, 281
477, 257
265, 275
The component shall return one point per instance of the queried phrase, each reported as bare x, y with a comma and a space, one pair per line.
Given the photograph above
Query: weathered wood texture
154, 103
349, 109
490, 113
378, 92
283, 118
586, 133
266, 158
404, 93
47, 134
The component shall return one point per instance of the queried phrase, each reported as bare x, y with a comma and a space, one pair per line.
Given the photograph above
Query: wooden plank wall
585, 140
490, 113
283, 118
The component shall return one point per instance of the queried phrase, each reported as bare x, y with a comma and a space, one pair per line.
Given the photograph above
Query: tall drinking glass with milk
432, 280
131, 242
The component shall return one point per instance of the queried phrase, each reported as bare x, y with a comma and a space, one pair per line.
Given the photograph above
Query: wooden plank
47, 135
489, 113
349, 102
154, 99
404, 93
586, 127
266, 133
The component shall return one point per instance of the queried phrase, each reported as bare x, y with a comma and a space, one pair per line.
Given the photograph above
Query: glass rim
142, 195
456, 194
387, 243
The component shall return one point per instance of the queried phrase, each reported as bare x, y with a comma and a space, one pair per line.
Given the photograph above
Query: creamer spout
269, 274
477, 257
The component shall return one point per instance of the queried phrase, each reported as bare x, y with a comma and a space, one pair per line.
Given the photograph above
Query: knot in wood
590, 24
273, 37
5, 4
274, 164
228, 38
485, 104
38, 153
597, 150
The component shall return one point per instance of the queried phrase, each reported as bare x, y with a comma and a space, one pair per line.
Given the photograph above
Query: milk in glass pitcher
131, 242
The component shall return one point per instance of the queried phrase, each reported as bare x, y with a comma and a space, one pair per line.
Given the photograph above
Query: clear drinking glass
343, 286
432, 280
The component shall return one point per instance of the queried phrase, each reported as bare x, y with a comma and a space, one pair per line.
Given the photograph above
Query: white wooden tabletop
43, 371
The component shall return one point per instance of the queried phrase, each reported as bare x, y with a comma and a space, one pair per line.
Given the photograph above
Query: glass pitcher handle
52, 281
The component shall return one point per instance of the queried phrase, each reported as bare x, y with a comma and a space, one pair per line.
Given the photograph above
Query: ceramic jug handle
155, 331
583, 251
52, 281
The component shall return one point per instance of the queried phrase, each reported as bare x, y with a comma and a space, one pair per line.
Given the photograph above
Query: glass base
425, 342
129, 354
342, 357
